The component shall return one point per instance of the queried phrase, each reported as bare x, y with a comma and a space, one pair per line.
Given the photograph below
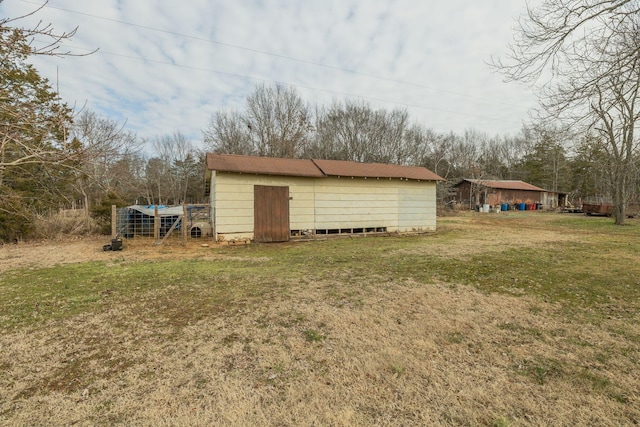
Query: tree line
276, 122
582, 56
52, 157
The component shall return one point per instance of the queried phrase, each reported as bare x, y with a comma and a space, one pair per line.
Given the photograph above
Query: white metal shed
273, 199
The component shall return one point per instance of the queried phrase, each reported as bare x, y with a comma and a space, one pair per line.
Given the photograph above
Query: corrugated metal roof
262, 165
506, 184
375, 170
315, 168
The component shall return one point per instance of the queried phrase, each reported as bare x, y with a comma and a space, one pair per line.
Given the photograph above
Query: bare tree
277, 121
492, 158
429, 149
42, 39
101, 143
177, 154
466, 154
354, 131
514, 148
347, 126
322, 144
589, 53
228, 133
388, 136
157, 181
128, 174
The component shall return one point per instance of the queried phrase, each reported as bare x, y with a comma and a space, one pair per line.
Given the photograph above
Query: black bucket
116, 244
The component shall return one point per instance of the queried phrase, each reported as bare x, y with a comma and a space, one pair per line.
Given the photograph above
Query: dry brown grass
371, 350
56, 225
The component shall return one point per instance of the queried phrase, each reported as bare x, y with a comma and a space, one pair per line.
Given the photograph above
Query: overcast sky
167, 66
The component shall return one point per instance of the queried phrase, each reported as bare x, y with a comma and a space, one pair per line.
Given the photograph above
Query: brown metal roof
375, 170
505, 184
262, 165
314, 168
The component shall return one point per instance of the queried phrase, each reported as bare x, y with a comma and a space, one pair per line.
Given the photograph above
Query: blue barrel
521, 206
504, 207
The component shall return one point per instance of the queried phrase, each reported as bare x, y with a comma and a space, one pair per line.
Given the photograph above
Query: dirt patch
44, 254
86, 249
472, 235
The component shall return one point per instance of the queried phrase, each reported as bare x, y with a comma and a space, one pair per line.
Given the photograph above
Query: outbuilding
478, 192
273, 199
157, 220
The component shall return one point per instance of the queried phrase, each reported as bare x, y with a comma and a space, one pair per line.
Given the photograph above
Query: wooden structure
478, 192
604, 209
161, 222
273, 200
596, 205
271, 213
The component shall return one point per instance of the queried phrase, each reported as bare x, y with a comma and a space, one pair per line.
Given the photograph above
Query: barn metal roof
315, 168
505, 184
262, 165
375, 170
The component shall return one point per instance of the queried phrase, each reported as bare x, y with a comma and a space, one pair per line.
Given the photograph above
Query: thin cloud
176, 66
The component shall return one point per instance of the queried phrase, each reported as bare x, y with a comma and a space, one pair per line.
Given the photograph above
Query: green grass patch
573, 274
597, 274
312, 335
397, 318
172, 287
599, 224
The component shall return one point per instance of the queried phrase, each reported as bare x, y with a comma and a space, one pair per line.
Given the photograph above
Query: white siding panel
327, 203
417, 207
343, 203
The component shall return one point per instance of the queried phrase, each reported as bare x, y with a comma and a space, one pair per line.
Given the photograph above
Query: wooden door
270, 213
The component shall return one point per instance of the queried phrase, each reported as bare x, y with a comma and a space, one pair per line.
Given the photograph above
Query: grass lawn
495, 319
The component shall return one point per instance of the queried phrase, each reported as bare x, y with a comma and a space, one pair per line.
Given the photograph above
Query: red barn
478, 192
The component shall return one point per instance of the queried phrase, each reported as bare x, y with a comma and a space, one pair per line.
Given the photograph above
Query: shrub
64, 223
